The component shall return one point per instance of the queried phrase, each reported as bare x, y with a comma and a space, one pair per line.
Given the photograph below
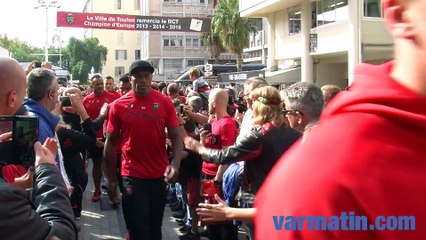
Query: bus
218, 69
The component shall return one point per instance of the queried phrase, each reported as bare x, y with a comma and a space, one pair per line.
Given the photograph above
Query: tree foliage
213, 42
82, 55
78, 57
232, 29
21, 51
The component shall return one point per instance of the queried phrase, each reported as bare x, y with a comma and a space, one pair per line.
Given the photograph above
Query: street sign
313, 42
132, 22
239, 76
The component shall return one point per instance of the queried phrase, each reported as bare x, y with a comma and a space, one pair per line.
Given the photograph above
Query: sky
19, 19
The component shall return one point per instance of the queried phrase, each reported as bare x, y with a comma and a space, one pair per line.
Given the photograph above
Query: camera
66, 102
37, 65
19, 150
207, 127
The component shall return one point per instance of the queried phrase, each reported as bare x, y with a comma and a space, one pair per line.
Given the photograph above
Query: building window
137, 54
120, 38
119, 71
294, 20
195, 62
188, 42
118, 4
173, 41
202, 1
137, 4
172, 1
372, 8
193, 42
173, 63
120, 54
139, 37
329, 11
196, 43
172, 68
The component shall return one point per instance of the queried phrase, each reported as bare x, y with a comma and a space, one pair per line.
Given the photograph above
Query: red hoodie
366, 156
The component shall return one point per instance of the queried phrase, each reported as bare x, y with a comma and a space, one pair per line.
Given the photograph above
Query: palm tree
213, 42
233, 30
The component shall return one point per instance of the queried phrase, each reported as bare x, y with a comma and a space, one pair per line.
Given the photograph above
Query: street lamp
58, 39
47, 5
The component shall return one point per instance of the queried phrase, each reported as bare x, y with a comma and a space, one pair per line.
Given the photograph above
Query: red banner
96, 20
131, 22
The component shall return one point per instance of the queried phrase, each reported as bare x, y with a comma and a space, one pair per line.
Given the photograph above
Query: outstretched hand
46, 153
25, 181
192, 144
214, 212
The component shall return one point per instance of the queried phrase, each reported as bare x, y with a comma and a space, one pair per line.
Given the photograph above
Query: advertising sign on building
313, 42
132, 22
239, 76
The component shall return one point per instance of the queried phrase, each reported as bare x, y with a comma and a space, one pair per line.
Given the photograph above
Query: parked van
218, 69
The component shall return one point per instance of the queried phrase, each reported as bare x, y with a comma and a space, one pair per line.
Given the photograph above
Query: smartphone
66, 102
20, 149
207, 127
181, 109
37, 65
25, 135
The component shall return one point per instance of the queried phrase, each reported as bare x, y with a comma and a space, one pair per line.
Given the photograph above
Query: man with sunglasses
303, 105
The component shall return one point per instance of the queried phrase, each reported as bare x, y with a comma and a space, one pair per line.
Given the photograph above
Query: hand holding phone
65, 100
207, 127
20, 149
181, 109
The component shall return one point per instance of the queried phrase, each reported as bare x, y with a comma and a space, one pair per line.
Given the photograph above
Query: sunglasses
288, 112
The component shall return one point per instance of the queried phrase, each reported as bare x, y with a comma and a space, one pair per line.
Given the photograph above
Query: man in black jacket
46, 213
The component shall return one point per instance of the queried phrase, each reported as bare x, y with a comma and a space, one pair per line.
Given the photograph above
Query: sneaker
96, 197
175, 204
180, 221
185, 229
204, 233
176, 209
190, 236
180, 214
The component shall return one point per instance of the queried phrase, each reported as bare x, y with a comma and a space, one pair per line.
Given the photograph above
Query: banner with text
239, 76
132, 22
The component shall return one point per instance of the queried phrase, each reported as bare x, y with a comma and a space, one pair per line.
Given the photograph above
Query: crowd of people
219, 157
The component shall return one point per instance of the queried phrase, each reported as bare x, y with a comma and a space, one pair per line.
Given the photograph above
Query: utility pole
47, 5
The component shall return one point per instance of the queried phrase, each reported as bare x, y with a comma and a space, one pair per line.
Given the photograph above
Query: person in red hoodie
367, 155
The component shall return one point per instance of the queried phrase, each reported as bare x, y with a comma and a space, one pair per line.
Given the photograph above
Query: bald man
46, 213
223, 134
13, 83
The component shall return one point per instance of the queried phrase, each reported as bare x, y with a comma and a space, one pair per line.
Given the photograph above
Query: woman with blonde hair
260, 149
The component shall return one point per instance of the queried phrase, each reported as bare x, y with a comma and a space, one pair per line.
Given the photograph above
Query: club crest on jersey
155, 106
128, 106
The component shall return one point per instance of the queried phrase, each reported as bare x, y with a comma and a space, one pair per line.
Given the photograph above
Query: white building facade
321, 40
171, 53
123, 46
